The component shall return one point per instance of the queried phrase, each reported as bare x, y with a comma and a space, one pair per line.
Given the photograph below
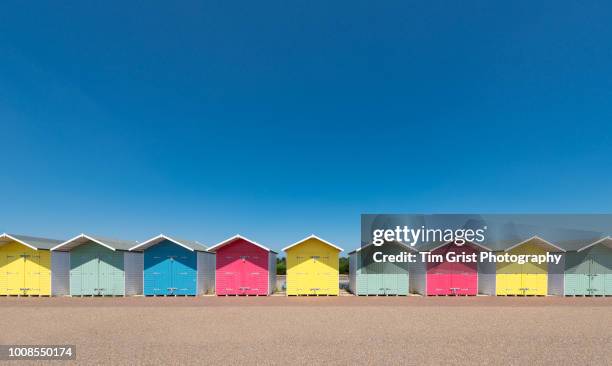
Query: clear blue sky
277, 119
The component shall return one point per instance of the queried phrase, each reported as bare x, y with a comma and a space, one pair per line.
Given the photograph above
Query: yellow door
508, 279
296, 283
312, 269
11, 271
24, 271
38, 273
534, 276
522, 279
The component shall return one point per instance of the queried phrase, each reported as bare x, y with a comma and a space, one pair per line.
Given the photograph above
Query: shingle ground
312, 331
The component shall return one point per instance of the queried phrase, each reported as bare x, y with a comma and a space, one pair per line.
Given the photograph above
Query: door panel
184, 274
464, 279
389, 283
320, 281
110, 271
228, 282
374, 278
14, 272
296, 284
596, 277
577, 274
90, 282
84, 270
439, 275
607, 284
157, 273
3, 278
38, 273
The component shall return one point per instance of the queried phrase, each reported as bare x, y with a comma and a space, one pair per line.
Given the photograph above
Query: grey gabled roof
113, 244
188, 244
607, 241
30, 241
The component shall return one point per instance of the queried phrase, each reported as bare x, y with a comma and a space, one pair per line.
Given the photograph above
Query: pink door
252, 274
448, 278
465, 275
242, 269
439, 276
228, 274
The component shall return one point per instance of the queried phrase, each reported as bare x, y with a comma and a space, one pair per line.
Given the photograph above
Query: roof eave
535, 237
225, 242
595, 243
156, 240
312, 236
9, 236
82, 236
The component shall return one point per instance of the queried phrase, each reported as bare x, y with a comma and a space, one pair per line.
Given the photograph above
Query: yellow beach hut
29, 268
312, 267
530, 278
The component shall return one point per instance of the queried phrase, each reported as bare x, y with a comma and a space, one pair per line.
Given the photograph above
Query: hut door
13, 273
374, 278
157, 272
230, 280
299, 277
3, 279
251, 274
596, 278
464, 279
183, 274
243, 276
110, 273
577, 277
322, 274
88, 276
37, 275
389, 279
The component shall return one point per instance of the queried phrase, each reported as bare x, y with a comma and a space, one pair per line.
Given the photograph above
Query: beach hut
176, 267
312, 267
244, 267
368, 276
528, 278
103, 267
588, 270
29, 268
448, 270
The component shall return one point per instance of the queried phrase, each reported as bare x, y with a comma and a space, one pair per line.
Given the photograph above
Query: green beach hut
103, 267
588, 270
369, 277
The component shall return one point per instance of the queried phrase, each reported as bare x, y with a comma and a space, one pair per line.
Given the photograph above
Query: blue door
169, 270
184, 274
